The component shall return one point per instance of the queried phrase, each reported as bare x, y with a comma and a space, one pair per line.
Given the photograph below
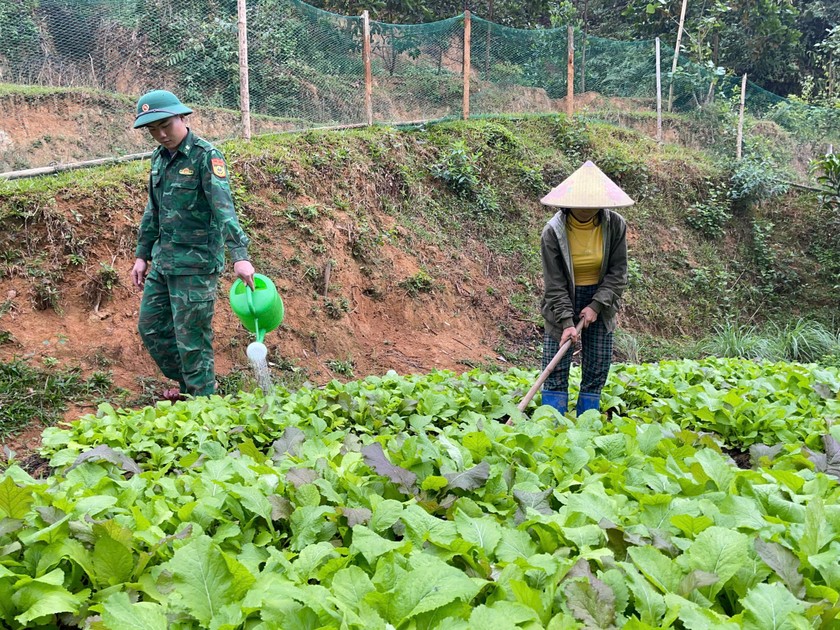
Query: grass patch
803, 341
28, 393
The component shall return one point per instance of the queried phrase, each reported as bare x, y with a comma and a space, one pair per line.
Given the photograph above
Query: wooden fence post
676, 54
244, 91
658, 95
467, 36
368, 73
741, 118
570, 74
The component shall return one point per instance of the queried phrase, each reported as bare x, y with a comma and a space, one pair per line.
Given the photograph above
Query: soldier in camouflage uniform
188, 220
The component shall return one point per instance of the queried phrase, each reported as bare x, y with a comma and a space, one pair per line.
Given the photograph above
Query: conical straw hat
587, 187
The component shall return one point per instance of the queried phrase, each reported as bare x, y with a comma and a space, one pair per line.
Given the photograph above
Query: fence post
658, 95
741, 118
676, 54
368, 73
467, 36
244, 91
570, 74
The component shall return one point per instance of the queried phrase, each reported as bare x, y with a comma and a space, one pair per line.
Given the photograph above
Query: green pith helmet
157, 105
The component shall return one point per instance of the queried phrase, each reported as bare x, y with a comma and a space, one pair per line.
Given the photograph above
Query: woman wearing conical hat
584, 258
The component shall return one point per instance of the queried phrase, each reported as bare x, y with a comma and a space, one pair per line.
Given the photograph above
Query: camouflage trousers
175, 323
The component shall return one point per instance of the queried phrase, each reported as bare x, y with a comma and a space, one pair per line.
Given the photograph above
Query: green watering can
260, 310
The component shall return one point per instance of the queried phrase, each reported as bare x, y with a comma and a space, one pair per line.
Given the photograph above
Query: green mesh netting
417, 70
306, 69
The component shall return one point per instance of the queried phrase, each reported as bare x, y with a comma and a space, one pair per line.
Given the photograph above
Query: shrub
709, 217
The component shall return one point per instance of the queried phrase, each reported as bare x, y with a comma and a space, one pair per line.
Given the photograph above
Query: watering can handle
249, 294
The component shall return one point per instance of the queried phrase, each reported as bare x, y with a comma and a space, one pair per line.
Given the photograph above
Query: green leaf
770, 607
38, 599
429, 585
716, 467
657, 567
483, 532
350, 586
433, 483
118, 613
14, 501
371, 545
696, 617
385, 514
720, 551
307, 522
202, 578
515, 544
113, 562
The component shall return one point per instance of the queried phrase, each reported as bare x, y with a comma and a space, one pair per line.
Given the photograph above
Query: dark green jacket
190, 216
558, 275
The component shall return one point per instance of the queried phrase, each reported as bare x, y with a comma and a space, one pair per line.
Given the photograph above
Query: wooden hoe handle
547, 371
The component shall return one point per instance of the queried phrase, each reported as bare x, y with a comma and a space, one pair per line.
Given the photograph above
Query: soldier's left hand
245, 270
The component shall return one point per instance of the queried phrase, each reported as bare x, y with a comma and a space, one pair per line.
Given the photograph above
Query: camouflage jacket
190, 216
558, 273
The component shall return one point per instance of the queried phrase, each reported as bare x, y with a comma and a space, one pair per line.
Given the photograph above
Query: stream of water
257, 355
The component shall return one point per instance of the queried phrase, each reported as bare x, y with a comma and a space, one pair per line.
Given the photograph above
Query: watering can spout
259, 309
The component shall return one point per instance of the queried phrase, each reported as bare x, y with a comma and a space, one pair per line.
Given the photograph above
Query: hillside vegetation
417, 248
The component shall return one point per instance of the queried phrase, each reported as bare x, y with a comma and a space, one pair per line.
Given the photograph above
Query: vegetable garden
406, 502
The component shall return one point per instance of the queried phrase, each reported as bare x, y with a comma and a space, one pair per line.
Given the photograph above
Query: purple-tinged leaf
471, 479
580, 569
107, 454
535, 500
357, 516
828, 462
615, 537
375, 458
823, 390
281, 507
592, 602
301, 476
694, 580
784, 563
50, 514
9, 525
757, 451
288, 444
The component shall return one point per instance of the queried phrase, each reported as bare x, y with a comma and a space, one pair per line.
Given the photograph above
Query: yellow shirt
586, 246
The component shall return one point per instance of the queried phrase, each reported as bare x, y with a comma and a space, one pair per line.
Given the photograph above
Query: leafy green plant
402, 499
46, 294
420, 282
828, 176
29, 393
459, 170
343, 368
709, 217
336, 308
753, 180
101, 284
